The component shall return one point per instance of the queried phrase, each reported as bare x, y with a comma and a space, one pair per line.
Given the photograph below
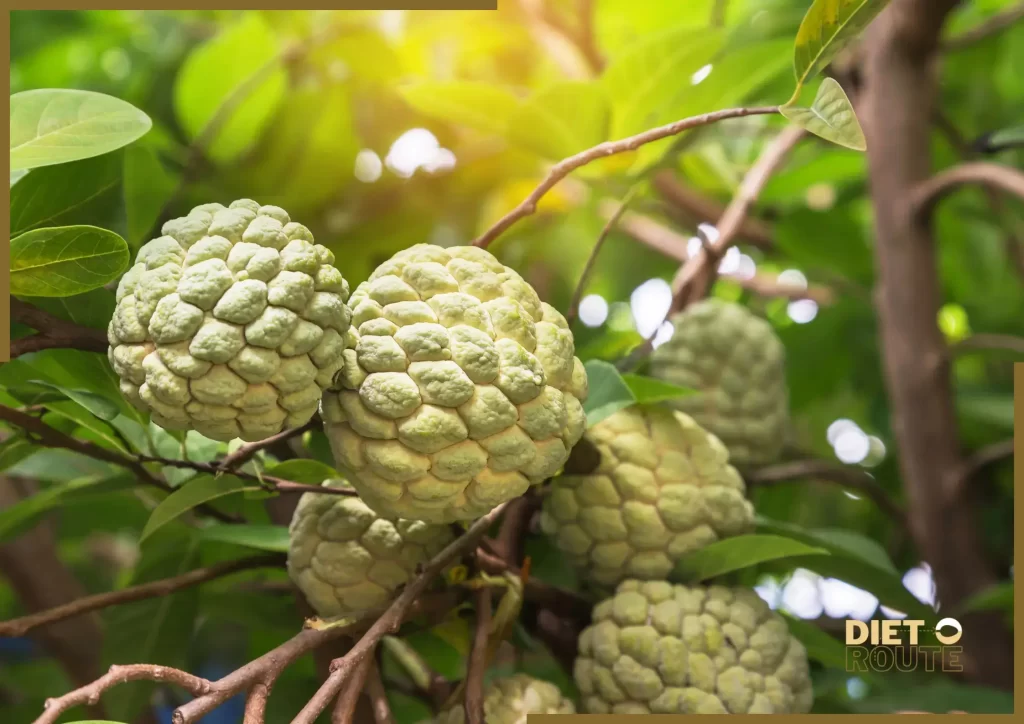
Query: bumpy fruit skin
460, 387
737, 363
511, 699
231, 323
664, 488
349, 561
658, 648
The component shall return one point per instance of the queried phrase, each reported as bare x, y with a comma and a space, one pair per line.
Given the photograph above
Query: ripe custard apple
664, 488
736, 362
460, 387
231, 323
349, 561
512, 699
658, 648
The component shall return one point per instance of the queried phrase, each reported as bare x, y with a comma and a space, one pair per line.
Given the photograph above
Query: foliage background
347, 138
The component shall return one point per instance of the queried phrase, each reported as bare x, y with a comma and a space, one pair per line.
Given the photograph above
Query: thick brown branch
54, 332
609, 148
992, 175
91, 693
478, 659
389, 622
700, 208
163, 587
845, 475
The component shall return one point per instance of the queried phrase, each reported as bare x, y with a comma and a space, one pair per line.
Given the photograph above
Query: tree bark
900, 82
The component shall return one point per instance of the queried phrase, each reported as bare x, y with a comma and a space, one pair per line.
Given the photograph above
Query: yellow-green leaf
831, 116
561, 120
826, 28
65, 260
58, 125
480, 106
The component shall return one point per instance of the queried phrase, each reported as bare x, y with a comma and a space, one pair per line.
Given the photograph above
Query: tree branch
992, 175
478, 659
163, 587
389, 622
995, 24
54, 332
349, 696
896, 110
609, 148
244, 453
559, 601
977, 342
704, 209
845, 475
378, 696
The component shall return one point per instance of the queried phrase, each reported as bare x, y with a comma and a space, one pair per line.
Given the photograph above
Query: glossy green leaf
648, 390
310, 472
831, 117
481, 106
148, 186
98, 405
737, 553
51, 126
561, 120
83, 192
65, 260
838, 541
827, 28
194, 493
242, 63
17, 176
608, 394
272, 538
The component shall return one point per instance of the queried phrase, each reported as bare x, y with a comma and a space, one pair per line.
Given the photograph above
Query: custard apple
347, 560
460, 387
736, 363
664, 488
658, 648
231, 323
511, 699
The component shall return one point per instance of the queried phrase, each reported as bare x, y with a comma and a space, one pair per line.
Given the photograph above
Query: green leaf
827, 28
67, 260
481, 106
158, 630
75, 193
739, 552
13, 450
562, 119
653, 74
148, 186
609, 345
648, 390
1005, 138
997, 597
244, 53
56, 125
821, 647
938, 696
608, 394
272, 538
98, 405
17, 176
310, 472
837, 541
194, 493
830, 116
18, 517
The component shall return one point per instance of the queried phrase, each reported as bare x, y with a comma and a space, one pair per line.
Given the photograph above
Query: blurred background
382, 129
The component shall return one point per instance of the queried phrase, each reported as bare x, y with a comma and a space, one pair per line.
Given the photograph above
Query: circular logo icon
948, 639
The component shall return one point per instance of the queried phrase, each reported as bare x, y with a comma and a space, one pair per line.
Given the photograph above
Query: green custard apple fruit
664, 488
736, 363
231, 323
510, 700
460, 387
658, 648
347, 560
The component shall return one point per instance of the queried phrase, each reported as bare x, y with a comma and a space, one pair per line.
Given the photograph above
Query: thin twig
389, 622
560, 601
378, 695
279, 485
700, 208
581, 285
478, 659
979, 342
162, 587
995, 24
609, 148
993, 175
243, 454
348, 698
90, 694
845, 475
